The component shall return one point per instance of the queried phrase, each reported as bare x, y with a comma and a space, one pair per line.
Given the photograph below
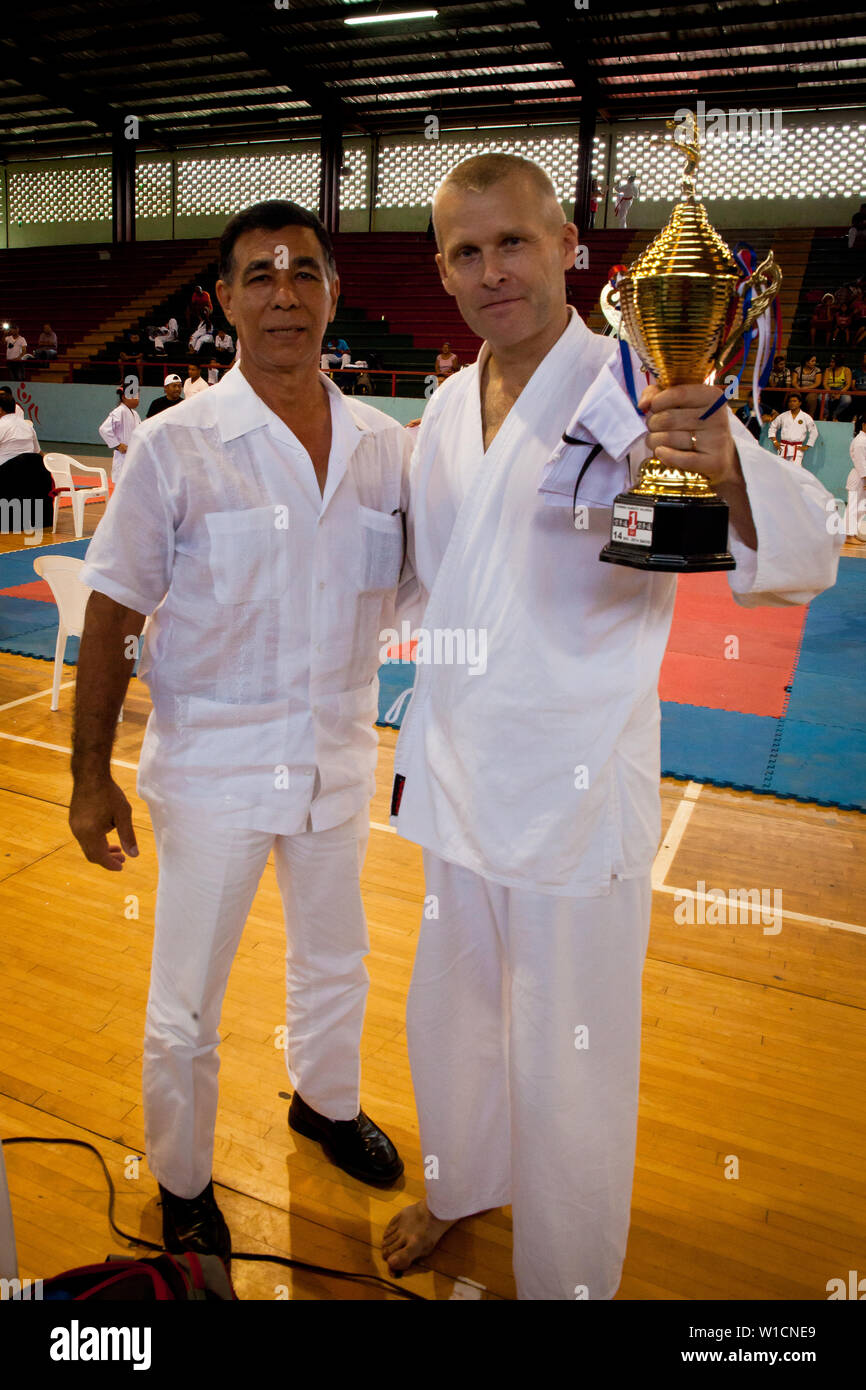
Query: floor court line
664, 857
25, 699
676, 830
59, 748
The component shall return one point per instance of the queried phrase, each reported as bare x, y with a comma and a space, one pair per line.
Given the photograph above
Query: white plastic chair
61, 468
60, 573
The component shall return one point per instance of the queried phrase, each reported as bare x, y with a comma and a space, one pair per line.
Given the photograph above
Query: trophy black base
680, 534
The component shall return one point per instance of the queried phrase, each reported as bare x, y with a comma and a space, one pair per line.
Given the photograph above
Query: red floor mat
696, 671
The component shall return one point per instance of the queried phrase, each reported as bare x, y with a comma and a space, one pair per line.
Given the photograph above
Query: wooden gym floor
754, 1046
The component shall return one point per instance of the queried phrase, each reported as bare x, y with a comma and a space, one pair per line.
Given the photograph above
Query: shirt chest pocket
249, 554
381, 550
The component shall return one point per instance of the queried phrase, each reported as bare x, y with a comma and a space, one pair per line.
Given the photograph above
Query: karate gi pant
855, 512
208, 876
516, 1102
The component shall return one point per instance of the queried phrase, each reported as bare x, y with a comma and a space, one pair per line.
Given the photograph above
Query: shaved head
483, 171
504, 248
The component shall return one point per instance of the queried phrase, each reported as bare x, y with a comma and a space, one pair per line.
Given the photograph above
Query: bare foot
412, 1234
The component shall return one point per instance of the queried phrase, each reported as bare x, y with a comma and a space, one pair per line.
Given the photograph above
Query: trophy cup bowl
676, 302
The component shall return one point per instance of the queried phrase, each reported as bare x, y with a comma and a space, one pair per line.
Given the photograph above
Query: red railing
773, 394
73, 365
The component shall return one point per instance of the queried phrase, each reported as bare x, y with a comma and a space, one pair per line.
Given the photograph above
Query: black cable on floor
369, 1279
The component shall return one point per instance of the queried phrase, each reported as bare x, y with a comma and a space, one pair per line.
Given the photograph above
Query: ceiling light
391, 18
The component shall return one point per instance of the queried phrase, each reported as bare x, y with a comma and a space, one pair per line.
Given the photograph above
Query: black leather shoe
196, 1224
357, 1146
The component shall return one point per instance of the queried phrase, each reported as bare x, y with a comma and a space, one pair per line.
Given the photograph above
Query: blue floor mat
16, 566
815, 752
716, 745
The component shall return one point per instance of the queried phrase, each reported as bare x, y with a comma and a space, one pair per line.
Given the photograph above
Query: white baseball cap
172, 379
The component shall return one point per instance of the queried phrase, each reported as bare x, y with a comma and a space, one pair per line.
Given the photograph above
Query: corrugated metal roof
70, 72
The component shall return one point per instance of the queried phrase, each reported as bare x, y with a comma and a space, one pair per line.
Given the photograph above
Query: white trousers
523, 1025
792, 450
208, 876
855, 512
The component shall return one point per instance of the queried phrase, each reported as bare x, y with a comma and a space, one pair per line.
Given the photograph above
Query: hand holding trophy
676, 302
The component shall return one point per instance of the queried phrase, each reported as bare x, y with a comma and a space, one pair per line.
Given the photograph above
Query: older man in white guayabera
534, 787
261, 523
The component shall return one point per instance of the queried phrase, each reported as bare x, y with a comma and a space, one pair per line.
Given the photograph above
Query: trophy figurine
678, 301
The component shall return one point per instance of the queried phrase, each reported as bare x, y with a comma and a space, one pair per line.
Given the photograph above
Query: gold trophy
677, 301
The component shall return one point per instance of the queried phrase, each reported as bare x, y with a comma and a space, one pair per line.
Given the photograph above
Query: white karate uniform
261, 658
117, 428
625, 197
193, 388
202, 335
796, 432
855, 516
534, 789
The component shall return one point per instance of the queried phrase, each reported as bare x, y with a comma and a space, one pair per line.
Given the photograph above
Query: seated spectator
823, 320
808, 379
16, 350
213, 372
857, 230
363, 384
169, 331
779, 379
131, 355
47, 344
224, 345
173, 389
157, 342
195, 382
202, 335
842, 327
200, 304
859, 383
23, 475
446, 363
858, 317
6, 391
335, 353
837, 383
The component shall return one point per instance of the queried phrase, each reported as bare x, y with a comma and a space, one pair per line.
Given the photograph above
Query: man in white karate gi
534, 786
626, 192
793, 432
261, 524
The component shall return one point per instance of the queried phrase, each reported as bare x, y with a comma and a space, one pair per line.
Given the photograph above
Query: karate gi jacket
541, 770
117, 428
